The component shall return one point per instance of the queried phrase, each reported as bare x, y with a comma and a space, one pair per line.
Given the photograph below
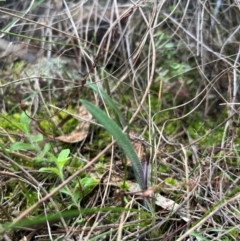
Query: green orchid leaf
120, 137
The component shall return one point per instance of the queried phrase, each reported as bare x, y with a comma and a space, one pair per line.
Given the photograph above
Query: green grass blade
121, 139
69, 214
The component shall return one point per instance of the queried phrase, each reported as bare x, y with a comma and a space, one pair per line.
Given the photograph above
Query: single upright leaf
62, 159
63, 155
120, 137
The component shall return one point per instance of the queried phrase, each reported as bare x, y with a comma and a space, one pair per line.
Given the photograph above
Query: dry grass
172, 68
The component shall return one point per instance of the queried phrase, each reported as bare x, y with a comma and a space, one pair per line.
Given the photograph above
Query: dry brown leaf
137, 145
81, 131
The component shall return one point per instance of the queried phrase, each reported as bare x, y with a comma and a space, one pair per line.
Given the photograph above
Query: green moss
171, 181
7, 121
163, 168
124, 186
101, 167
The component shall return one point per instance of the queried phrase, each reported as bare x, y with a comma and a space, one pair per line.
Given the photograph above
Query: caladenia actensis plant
141, 172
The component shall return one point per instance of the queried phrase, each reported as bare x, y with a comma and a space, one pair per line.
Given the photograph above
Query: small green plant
32, 142
170, 66
60, 162
80, 189
44, 156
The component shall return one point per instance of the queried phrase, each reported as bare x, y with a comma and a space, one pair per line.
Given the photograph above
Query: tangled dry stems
116, 42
